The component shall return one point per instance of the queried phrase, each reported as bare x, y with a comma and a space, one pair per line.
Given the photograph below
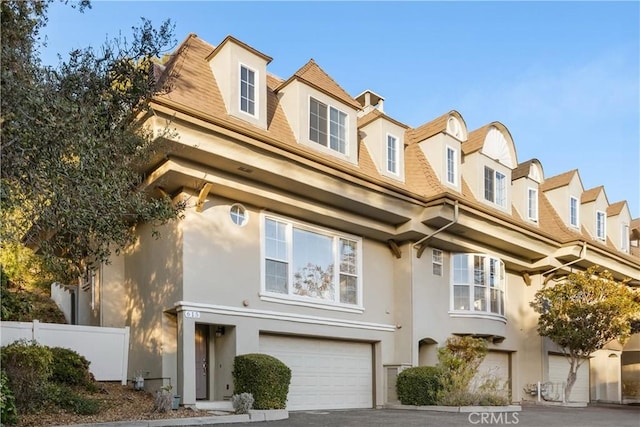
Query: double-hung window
392, 154
327, 126
624, 238
247, 90
478, 284
452, 166
601, 225
437, 262
495, 189
573, 212
532, 204
311, 264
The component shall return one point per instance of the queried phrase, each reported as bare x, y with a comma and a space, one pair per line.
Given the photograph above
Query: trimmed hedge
420, 385
265, 377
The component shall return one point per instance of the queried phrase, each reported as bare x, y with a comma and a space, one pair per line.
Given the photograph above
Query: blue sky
563, 77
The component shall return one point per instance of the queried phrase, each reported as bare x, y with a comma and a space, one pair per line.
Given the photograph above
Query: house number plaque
192, 314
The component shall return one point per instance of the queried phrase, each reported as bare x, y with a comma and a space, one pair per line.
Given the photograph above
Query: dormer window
624, 238
532, 204
247, 90
392, 154
327, 126
452, 166
495, 187
573, 212
601, 224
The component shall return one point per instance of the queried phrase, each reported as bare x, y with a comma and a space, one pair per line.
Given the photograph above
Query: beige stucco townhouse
344, 242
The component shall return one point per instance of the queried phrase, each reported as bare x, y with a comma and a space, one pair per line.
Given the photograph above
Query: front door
202, 361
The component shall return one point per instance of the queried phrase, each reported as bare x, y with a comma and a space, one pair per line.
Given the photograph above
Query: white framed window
311, 264
532, 204
247, 90
478, 284
238, 214
624, 237
327, 126
452, 166
495, 189
436, 257
601, 225
574, 216
392, 154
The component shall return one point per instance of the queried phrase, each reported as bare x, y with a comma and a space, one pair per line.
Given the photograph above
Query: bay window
478, 284
311, 264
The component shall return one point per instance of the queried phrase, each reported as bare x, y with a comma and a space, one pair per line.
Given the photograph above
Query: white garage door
325, 374
494, 367
558, 371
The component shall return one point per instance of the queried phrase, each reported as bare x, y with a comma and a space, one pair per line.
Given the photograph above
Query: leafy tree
583, 313
72, 147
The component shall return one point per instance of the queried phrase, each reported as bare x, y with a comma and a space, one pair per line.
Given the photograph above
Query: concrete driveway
530, 416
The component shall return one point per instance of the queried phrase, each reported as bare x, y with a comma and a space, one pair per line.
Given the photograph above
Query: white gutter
421, 244
583, 255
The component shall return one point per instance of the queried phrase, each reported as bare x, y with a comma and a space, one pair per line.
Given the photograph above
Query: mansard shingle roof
192, 87
558, 181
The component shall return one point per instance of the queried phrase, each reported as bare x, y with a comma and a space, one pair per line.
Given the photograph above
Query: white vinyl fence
106, 348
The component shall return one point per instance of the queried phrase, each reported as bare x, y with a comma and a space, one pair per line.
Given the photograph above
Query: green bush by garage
420, 385
265, 377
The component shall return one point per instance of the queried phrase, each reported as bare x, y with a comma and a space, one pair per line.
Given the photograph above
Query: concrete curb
458, 409
252, 416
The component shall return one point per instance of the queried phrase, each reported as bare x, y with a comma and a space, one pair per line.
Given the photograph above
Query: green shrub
459, 360
65, 398
28, 366
265, 377
420, 385
9, 412
70, 368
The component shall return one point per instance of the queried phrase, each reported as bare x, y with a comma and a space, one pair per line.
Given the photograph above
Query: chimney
370, 101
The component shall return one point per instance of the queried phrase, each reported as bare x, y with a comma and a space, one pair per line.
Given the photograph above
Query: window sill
478, 315
281, 299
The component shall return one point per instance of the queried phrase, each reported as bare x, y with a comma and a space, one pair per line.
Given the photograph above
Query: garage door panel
558, 371
325, 374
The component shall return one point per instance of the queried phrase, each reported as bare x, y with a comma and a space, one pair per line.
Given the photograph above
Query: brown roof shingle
591, 195
616, 208
558, 181
313, 75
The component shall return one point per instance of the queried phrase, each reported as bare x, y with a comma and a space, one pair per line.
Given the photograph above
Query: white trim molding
182, 306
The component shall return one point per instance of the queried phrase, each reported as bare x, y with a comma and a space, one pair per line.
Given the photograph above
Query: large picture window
308, 263
478, 284
327, 126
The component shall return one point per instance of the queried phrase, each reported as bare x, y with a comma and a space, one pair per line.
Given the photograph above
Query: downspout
583, 255
421, 244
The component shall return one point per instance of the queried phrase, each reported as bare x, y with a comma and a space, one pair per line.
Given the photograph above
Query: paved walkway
530, 416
